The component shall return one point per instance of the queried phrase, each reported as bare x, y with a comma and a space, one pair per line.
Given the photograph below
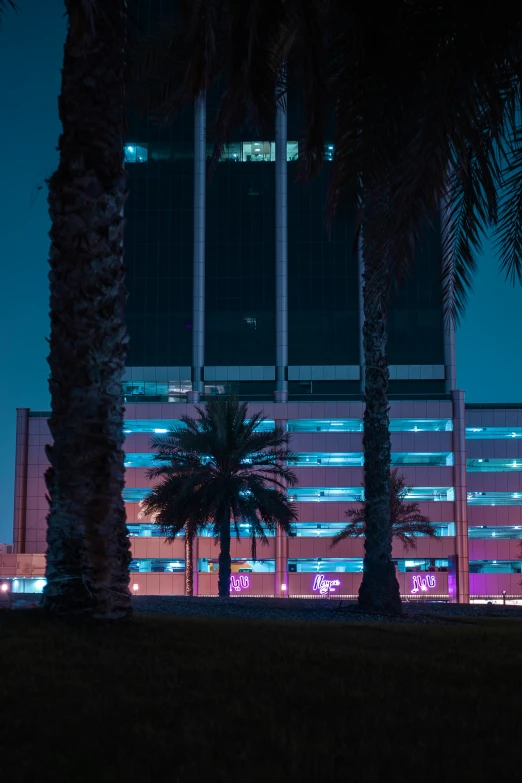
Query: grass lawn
190, 699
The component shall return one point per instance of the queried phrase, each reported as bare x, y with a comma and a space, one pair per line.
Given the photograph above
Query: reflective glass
161, 426
480, 433
356, 425
495, 566
136, 153
494, 498
493, 465
495, 532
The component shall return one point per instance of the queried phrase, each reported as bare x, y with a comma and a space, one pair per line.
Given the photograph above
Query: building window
136, 153
494, 499
493, 465
263, 152
481, 433
495, 532
356, 425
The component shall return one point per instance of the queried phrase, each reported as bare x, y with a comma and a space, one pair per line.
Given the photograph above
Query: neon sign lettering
325, 586
238, 583
423, 583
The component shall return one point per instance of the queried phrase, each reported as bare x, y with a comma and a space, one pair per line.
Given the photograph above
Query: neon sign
238, 583
325, 586
423, 583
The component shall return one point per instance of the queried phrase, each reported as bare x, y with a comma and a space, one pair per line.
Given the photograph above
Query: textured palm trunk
379, 591
189, 564
224, 557
88, 551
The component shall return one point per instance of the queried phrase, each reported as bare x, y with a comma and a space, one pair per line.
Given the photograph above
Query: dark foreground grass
190, 699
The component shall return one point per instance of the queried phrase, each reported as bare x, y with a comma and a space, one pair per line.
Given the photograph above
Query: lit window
136, 153
488, 433
486, 465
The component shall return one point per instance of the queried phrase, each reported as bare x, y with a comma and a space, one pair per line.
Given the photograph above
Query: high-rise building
235, 286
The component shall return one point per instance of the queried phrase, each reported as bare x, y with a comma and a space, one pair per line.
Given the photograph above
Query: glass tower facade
240, 339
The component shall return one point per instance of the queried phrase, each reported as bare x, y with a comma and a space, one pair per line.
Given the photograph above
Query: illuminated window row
494, 499
162, 426
495, 566
493, 465
327, 494
332, 459
301, 529
481, 433
306, 425
355, 565
356, 494
236, 152
356, 425
495, 532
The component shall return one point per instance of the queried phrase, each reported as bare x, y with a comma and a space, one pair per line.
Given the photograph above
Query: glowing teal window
326, 494
421, 425
325, 425
495, 566
494, 499
356, 494
495, 532
493, 465
158, 566
356, 459
161, 426
442, 458
487, 433
356, 425
326, 564
136, 153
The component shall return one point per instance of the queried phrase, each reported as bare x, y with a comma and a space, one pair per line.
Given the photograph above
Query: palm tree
218, 471
426, 110
88, 551
406, 520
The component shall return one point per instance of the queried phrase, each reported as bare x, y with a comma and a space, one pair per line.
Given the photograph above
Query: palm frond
508, 232
406, 520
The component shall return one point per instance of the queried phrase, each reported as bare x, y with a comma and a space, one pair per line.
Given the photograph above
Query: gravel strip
303, 609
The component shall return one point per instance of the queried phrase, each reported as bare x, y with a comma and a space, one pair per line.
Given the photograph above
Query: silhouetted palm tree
426, 112
218, 471
406, 520
88, 550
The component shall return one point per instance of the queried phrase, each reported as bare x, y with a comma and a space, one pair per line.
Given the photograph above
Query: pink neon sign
423, 583
325, 586
238, 583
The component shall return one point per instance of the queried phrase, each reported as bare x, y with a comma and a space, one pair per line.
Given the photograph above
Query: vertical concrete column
281, 249
460, 575
198, 294
20, 494
281, 551
195, 557
360, 260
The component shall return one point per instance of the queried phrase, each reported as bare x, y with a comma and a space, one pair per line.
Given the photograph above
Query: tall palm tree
427, 109
218, 471
88, 551
406, 520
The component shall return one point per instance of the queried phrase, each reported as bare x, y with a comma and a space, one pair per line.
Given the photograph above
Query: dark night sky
30, 59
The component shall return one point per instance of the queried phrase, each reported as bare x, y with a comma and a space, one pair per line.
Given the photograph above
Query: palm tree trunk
88, 550
224, 556
379, 591
189, 564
